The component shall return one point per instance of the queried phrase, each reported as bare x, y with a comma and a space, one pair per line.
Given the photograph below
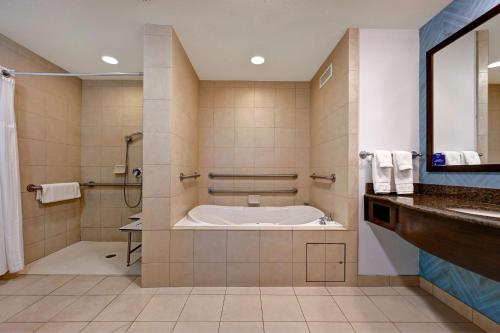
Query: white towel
403, 171
381, 171
58, 192
471, 157
453, 157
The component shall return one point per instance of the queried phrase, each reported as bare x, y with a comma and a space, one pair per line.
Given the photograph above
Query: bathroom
213, 183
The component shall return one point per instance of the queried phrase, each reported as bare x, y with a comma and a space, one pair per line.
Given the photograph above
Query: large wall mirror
463, 98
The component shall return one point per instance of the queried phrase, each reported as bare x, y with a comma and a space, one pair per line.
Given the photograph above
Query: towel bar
331, 177
33, 188
194, 175
364, 154
214, 191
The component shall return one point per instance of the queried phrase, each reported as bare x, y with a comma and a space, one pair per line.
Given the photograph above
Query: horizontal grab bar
195, 175
33, 188
364, 154
246, 175
331, 177
214, 191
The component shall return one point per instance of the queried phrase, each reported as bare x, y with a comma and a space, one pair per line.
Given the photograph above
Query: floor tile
163, 308
329, 327
208, 291
174, 291
112, 285
124, 308
311, 291
199, 327
241, 327
202, 308
79, 285
151, 327
19, 327
10, 305
433, 308
459, 327
243, 291
345, 291
285, 327
107, 327
44, 309
397, 309
419, 328
11, 286
135, 288
283, 291
281, 308
374, 328
242, 308
45, 286
74, 327
359, 308
408, 291
85, 308
378, 291
320, 308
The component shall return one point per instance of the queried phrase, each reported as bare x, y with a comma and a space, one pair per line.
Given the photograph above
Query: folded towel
58, 192
403, 172
381, 171
471, 157
453, 158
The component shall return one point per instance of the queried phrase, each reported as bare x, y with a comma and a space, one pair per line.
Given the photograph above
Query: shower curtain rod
8, 73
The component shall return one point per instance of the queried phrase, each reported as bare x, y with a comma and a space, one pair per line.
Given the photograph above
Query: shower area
73, 128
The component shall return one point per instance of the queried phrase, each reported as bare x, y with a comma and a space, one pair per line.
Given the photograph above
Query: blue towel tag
438, 159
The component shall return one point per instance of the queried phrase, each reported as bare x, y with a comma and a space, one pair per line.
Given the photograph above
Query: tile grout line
301, 311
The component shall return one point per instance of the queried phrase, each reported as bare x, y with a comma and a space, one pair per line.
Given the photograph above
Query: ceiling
219, 36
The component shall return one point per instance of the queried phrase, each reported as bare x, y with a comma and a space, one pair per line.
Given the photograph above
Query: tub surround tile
210, 246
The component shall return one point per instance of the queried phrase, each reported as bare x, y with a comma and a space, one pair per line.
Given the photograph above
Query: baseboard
388, 280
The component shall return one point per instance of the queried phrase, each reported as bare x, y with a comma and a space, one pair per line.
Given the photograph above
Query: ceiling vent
327, 74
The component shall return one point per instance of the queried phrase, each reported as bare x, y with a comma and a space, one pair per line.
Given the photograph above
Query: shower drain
111, 255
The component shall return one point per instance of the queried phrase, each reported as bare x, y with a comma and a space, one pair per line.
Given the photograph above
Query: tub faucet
325, 218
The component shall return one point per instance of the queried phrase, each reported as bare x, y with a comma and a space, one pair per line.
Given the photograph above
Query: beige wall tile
209, 246
243, 246
275, 274
210, 274
243, 274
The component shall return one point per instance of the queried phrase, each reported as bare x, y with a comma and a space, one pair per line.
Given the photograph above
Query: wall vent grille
327, 74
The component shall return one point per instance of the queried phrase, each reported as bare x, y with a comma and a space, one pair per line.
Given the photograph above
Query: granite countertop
429, 201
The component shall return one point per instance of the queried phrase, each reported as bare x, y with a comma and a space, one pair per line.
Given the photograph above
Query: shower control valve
137, 172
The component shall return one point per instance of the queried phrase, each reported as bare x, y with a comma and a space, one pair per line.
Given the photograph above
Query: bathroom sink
481, 212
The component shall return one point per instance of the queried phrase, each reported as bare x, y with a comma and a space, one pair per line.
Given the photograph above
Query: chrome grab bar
332, 177
243, 175
194, 175
364, 154
33, 188
242, 191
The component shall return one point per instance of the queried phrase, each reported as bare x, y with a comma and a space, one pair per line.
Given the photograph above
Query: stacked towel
403, 171
471, 157
381, 171
453, 158
58, 192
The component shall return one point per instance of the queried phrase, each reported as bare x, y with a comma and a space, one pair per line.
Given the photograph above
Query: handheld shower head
130, 137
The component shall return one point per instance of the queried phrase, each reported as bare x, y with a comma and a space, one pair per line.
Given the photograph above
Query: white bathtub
255, 218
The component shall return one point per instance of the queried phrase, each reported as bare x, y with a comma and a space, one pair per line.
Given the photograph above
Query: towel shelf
33, 188
243, 175
331, 177
194, 175
364, 154
242, 191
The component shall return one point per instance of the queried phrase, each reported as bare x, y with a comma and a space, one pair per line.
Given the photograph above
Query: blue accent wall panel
473, 289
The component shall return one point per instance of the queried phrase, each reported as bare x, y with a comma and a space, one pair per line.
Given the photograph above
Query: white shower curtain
11, 234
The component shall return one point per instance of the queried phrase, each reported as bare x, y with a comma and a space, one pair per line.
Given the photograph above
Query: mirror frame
430, 99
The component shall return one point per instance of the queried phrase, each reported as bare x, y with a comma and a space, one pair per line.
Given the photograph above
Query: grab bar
214, 191
364, 154
243, 175
33, 188
332, 177
194, 175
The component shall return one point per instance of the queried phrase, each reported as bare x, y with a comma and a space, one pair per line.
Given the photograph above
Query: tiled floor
65, 303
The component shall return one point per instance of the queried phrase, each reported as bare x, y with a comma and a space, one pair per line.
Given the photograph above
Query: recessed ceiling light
109, 60
257, 60
494, 64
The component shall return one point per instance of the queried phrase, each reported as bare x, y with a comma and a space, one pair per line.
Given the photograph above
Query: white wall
388, 119
455, 95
